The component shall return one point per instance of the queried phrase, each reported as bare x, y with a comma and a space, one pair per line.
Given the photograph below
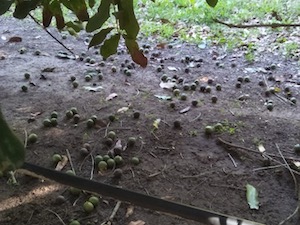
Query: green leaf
212, 3
127, 19
110, 46
55, 8
99, 37
135, 52
75, 25
92, 3
252, 197
78, 7
24, 7
47, 16
5, 5
12, 152
100, 17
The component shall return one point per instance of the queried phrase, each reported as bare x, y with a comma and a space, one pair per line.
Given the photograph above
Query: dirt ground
180, 164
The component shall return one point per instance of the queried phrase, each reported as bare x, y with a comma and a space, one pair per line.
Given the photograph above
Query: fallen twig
26, 138
289, 168
232, 159
251, 150
266, 168
58, 41
271, 25
93, 165
290, 216
197, 117
197, 175
70, 160
113, 214
60, 219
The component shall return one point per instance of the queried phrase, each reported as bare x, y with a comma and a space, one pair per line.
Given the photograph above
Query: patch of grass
192, 20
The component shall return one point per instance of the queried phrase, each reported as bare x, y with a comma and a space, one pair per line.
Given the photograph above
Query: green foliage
122, 11
12, 152
5, 5
100, 17
109, 46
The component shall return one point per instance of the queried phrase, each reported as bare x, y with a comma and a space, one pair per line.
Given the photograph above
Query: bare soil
180, 164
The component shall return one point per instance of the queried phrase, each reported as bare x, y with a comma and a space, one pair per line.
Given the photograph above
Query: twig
58, 41
154, 174
228, 186
266, 168
164, 148
152, 132
163, 121
93, 166
60, 219
289, 168
76, 200
153, 155
105, 133
114, 212
132, 172
251, 150
290, 216
30, 217
266, 82
26, 138
272, 25
281, 164
70, 160
285, 100
234, 163
197, 175
197, 117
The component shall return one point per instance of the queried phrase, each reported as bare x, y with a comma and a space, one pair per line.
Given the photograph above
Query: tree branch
272, 25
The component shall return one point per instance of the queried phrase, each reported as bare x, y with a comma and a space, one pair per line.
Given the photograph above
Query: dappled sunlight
29, 197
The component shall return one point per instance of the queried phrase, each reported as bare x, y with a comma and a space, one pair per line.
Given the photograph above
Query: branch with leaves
108, 38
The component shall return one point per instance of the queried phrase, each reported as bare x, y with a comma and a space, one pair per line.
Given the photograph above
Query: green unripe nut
94, 200
131, 141
209, 130
135, 160
56, 158
111, 163
88, 207
98, 158
102, 166
74, 222
297, 148
47, 123
32, 138
111, 134
54, 114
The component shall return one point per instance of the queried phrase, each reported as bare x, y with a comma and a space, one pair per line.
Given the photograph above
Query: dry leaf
167, 85
185, 110
122, 110
111, 96
93, 89
15, 39
261, 148
138, 222
129, 211
61, 164
172, 68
